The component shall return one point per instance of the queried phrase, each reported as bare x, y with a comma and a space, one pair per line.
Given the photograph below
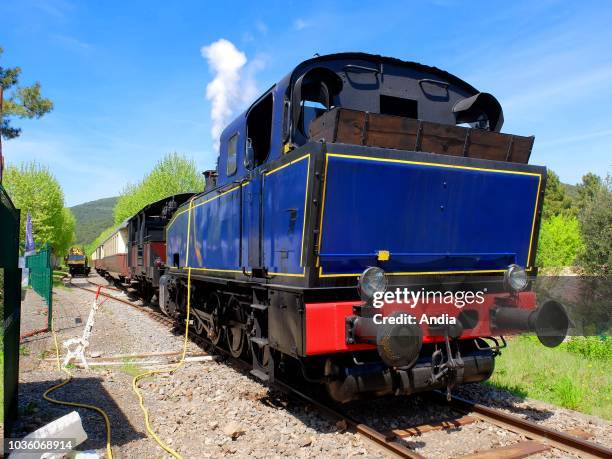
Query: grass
24, 350
576, 375
57, 278
130, 368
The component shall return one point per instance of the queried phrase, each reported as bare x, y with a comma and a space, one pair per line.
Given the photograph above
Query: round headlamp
372, 280
516, 278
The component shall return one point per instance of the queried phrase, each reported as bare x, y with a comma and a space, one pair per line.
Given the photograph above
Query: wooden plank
516, 451
444, 425
387, 131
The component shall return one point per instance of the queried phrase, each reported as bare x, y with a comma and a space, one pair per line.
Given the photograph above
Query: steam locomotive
354, 177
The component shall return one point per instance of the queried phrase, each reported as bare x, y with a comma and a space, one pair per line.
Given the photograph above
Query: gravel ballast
214, 409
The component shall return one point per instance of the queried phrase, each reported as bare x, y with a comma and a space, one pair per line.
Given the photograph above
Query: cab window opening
311, 110
259, 131
232, 151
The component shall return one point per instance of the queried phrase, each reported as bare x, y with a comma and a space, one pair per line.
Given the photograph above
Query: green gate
41, 277
10, 305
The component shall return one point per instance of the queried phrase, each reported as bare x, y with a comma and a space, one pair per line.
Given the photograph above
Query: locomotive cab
359, 173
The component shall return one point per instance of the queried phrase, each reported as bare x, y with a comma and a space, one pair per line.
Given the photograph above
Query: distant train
135, 252
354, 176
76, 261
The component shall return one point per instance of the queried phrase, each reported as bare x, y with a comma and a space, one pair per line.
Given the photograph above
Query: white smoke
232, 86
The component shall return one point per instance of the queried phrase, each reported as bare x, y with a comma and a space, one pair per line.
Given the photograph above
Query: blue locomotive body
355, 164
431, 217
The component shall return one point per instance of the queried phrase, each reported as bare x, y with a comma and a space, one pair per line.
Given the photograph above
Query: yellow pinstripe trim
174, 217
219, 195
421, 273
219, 270
302, 274
306, 156
420, 163
204, 202
322, 214
188, 232
535, 213
449, 166
305, 209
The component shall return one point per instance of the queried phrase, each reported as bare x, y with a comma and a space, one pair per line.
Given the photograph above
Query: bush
591, 347
596, 227
560, 242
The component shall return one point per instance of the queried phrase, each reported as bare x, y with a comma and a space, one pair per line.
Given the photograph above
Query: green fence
10, 304
41, 277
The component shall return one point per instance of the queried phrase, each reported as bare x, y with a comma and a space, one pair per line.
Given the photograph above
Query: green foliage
556, 200
90, 217
596, 225
19, 102
33, 188
528, 369
560, 241
588, 189
591, 347
173, 174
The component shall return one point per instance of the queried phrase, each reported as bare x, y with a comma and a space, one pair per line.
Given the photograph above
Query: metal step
260, 375
261, 342
259, 307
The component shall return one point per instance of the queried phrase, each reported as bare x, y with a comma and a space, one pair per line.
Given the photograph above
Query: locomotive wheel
235, 334
199, 326
260, 354
214, 307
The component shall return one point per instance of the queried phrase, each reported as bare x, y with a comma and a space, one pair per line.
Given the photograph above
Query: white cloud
233, 84
300, 24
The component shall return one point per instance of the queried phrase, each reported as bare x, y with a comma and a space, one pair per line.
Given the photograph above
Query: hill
92, 217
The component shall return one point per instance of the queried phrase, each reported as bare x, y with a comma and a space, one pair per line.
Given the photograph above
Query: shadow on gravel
34, 411
496, 397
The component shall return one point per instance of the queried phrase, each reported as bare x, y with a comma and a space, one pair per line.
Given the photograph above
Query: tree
560, 242
18, 101
596, 225
172, 175
33, 188
591, 183
556, 200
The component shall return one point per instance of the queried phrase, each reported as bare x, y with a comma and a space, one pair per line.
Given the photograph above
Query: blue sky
129, 80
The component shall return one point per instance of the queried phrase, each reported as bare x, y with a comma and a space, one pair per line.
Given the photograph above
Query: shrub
591, 347
596, 228
560, 241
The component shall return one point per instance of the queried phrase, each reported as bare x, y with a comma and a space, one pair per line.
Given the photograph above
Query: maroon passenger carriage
135, 253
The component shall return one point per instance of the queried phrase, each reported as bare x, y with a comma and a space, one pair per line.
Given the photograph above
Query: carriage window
232, 149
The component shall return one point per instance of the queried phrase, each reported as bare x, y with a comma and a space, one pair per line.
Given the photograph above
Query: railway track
538, 438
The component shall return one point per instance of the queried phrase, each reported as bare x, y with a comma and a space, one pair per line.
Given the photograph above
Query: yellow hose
137, 378
100, 411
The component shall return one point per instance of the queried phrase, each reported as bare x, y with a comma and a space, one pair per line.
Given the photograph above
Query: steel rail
556, 439
545, 435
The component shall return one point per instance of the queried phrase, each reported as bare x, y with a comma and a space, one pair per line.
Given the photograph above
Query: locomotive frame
276, 248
